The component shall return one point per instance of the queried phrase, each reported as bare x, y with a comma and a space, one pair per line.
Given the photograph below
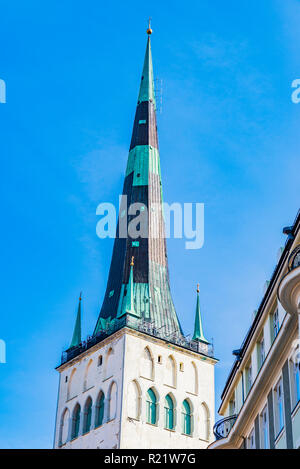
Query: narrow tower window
76, 421
169, 413
186, 418
100, 410
87, 415
151, 407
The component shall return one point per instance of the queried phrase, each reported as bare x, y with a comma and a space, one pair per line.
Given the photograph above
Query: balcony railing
223, 427
142, 326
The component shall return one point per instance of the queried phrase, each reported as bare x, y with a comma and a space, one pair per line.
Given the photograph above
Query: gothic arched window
64, 427
76, 421
204, 421
108, 367
169, 412
72, 384
100, 409
151, 407
87, 415
147, 364
134, 400
186, 418
87, 376
112, 401
170, 371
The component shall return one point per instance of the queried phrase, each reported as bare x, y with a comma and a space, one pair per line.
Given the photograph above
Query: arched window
147, 364
108, 371
76, 421
87, 420
186, 418
134, 400
64, 427
100, 410
169, 413
112, 401
151, 407
204, 422
192, 378
86, 382
72, 384
170, 371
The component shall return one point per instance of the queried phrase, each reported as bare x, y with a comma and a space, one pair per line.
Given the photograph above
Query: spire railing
143, 326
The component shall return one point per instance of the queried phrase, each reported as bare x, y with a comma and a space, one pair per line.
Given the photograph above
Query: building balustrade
223, 427
141, 326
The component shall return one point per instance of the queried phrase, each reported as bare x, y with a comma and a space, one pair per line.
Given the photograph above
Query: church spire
76, 339
146, 92
150, 276
198, 330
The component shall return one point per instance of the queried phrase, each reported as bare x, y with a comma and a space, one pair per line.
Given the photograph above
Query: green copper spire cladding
128, 299
142, 292
147, 83
76, 339
198, 330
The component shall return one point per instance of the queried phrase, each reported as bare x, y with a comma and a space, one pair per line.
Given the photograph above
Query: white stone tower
138, 382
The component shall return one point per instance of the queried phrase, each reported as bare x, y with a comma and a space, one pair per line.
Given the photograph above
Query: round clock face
296, 261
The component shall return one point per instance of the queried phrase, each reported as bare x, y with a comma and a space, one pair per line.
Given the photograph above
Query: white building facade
261, 400
136, 391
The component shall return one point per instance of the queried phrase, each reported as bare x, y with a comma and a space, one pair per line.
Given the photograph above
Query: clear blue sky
229, 137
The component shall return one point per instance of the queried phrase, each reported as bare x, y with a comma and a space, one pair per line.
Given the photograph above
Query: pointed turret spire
198, 330
76, 339
129, 303
149, 279
146, 92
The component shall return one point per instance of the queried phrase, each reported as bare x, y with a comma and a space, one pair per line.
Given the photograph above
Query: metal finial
132, 261
198, 288
149, 30
80, 296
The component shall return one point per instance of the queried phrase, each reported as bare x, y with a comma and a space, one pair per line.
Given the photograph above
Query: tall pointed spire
150, 277
146, 92
198, 330
76, 339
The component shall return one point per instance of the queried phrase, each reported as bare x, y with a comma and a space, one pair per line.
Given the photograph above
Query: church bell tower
138, 382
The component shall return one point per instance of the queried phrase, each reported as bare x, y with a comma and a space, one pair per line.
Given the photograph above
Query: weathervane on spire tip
198, 288
132, 261
149, 30
80, 296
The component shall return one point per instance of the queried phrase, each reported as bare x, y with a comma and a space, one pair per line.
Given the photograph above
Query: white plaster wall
195, 383
85, 384
136, 433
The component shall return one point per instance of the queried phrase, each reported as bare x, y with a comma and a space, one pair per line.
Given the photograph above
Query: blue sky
229, 137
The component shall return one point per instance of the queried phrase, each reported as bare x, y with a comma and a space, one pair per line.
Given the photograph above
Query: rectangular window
232, 407
260, 353
274, 324
264, 436
278, 402
248, 378
295, 382
251, 440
